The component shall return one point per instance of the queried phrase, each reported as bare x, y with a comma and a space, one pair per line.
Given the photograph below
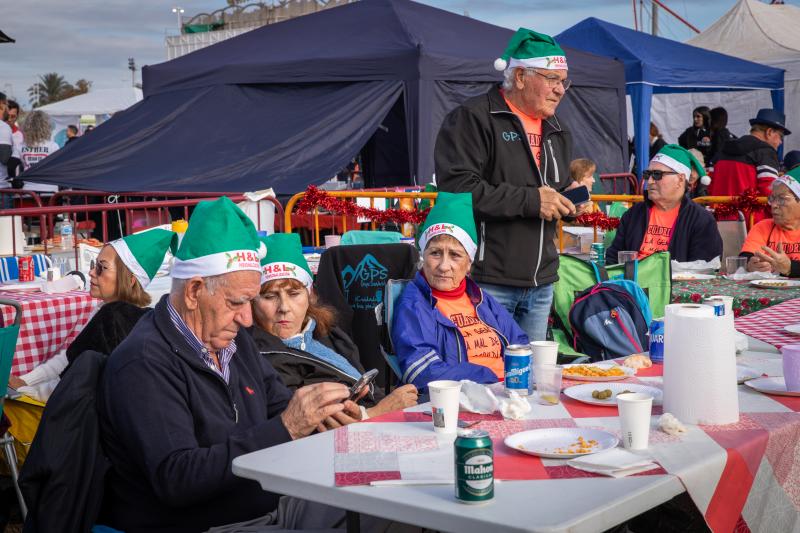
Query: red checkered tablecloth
767, 325
50, 322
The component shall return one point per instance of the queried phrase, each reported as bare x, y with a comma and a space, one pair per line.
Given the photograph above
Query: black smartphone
364, 381
578, 195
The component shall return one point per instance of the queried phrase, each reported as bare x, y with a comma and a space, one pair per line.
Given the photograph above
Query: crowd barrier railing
626, 178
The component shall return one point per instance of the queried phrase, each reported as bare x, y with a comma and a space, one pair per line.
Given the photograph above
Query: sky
93, 39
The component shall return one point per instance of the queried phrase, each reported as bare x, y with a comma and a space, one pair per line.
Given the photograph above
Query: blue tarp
659, 65
290, 104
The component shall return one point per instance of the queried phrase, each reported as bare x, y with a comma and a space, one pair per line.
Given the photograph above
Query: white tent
751, 30
101, 103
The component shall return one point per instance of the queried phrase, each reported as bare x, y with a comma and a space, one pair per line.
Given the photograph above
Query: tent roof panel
95, 102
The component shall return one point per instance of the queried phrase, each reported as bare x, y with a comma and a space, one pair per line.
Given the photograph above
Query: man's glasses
552, 81
657, 175
98, 267
780, 200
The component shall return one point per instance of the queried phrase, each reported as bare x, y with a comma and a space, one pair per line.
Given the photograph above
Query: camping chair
370, 237
9, 267
394, 288
8, 344
733, 233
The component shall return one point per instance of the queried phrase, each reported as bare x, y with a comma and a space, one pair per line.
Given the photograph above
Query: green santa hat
530, 49
451, 215
792, 180
285, 259
144, 252
220, 239
681, 161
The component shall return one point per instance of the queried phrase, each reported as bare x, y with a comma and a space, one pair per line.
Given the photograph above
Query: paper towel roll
700, 366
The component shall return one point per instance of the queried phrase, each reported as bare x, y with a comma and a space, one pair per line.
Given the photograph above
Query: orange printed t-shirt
767, 233
533, 130
659, 231
483, 345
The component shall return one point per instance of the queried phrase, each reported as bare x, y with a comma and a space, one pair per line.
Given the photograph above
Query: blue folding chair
8, 344
9, 267
394, 288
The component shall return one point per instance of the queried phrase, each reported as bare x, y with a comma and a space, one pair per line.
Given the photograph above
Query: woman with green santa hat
118, 278
298, 334
667, 220
445, 325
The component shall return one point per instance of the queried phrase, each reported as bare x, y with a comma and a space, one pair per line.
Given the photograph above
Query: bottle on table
67, 240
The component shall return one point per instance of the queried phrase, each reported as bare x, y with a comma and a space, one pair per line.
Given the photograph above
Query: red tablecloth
767, 325
50, 322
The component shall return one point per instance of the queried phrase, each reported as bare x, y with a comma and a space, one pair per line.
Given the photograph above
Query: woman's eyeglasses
780, 200
97, 267
657, 175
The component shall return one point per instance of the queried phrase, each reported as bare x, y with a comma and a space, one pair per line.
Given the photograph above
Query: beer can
597, 253
657, 340
474, 464
718, 305
25, 265
517, 361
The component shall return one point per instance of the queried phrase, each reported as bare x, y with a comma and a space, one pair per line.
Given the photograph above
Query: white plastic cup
626, 255
544, 353
445, 395
635, 410
332, 240
735, 266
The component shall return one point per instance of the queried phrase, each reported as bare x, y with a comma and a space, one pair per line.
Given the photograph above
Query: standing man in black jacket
512, 153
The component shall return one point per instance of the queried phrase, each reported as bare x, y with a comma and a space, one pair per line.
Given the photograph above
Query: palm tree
50, 88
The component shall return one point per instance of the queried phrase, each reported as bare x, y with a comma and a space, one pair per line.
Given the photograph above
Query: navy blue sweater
171, 428
695, 235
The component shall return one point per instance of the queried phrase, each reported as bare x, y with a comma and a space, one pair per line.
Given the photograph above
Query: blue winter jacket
429, 345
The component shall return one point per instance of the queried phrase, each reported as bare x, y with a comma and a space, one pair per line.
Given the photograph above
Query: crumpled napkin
65, 284
671, 425
477, 398
749, 276
696, 266
515, 407
614, 462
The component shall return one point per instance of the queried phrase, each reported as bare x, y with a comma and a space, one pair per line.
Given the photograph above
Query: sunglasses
98, 267
657, 175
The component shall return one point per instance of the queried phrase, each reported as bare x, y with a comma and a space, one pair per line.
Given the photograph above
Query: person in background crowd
720, 134
698, 186
121, 272
510, 151
582, 172
773, 245
72, 133
14, 163
88, 129
187, 391
37, 131
657, 141
298, 335
751, 162
668, 220
698, 135
6, 149
791, 160
445, 325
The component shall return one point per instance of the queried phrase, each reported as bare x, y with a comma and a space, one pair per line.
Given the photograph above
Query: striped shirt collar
224, 356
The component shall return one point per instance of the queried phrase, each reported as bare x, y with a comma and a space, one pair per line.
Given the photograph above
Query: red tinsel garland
747, 203
598, 219
316, 198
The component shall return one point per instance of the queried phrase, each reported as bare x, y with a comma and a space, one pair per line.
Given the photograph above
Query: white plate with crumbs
561, 443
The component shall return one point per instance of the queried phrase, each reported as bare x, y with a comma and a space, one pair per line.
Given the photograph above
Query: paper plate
775, 283
690, 276
792, 328
774, 385
545, 442
629, 372
746, 373
583, 393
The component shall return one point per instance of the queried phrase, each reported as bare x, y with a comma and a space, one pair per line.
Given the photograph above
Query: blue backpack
610, 319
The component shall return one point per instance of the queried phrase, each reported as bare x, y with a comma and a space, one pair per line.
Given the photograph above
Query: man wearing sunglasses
510, 151
667, 220
751, 162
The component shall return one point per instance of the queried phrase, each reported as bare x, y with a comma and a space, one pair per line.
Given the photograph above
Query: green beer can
474, 467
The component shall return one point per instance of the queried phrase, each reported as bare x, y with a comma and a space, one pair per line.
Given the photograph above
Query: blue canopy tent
290, 104
658, 65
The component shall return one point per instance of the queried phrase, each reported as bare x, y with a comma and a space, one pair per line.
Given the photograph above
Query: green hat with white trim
530, 49
681, 161
285, 259
144, 252
792, 180
451, 215
220, 239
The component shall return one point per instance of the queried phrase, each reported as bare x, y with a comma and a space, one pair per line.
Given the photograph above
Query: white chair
733, 233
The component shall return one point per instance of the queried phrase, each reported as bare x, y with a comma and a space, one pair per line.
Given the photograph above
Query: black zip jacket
299, 368
482, 149
171, 428
695, 235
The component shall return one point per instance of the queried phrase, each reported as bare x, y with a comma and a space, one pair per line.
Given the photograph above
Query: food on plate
684, 277
91, 242
774, 284
580, 446
637, 361
601, 394
624, 392
593, 371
